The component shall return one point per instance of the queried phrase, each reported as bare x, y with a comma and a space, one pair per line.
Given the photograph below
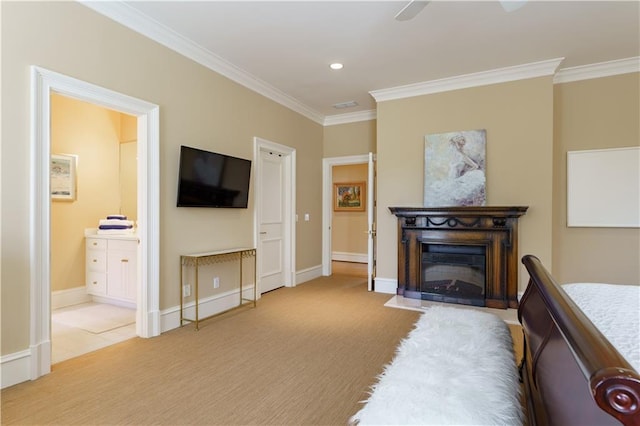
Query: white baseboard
170, 318
308, 274
15, 368
69, 297
349, 257
113, 301
386, 285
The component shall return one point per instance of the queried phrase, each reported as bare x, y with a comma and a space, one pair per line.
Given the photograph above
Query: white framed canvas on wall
603, 188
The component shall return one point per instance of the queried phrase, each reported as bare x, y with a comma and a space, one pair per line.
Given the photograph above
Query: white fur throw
456, 367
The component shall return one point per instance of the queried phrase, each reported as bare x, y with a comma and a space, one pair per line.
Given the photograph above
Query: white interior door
272, 218
371, 223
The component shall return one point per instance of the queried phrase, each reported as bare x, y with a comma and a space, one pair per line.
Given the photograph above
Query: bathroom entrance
94, 176
44, 83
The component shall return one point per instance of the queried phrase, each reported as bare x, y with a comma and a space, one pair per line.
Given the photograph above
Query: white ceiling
283, 49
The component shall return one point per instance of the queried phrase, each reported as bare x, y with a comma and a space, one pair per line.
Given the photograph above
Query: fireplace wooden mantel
493, 227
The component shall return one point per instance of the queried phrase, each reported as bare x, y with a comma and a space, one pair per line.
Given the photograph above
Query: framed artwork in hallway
349, 196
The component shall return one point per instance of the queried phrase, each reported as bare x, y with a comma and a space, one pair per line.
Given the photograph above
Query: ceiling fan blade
410, 10
511, 5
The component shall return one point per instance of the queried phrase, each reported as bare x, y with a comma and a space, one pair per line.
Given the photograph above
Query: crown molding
133, 19
141, 23
598, 70
483, 78
352, 117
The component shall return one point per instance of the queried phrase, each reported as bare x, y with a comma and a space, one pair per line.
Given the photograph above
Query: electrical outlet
186, 290
216, 282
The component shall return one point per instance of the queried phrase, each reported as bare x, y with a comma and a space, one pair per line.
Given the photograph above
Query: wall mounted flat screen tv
209, 179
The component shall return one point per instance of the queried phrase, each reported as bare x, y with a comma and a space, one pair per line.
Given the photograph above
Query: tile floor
510, 316
69, 342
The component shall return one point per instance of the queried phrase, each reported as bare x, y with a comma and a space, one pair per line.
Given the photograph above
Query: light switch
306, 217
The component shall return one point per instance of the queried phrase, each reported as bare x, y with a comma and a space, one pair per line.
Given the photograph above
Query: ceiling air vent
342, 105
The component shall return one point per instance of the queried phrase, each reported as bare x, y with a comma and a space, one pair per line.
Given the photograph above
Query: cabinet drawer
96, 283
96, 261
131, 245
96, 244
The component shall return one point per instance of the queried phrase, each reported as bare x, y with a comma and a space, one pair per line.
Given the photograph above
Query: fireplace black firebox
453, 273
466, 254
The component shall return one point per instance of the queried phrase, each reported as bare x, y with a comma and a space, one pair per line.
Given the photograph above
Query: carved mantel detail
494, 228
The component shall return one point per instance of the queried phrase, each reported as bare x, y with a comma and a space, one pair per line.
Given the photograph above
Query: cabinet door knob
95, 260
95, 283
124, 260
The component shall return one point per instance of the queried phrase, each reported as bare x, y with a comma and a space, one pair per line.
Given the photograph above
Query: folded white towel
116, 222
127, 231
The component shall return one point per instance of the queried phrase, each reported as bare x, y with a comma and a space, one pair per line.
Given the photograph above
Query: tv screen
209, 179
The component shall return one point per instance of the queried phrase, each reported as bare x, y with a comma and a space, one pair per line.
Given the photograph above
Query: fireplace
453, 273
464, 255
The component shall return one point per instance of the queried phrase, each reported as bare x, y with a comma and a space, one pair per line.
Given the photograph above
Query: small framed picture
63, 177
349, 197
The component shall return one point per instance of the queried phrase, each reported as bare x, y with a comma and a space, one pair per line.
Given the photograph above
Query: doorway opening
349, 227
93, 271
44, 83
367, 227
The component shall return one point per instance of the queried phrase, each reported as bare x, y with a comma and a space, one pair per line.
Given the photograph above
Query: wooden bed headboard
572, 374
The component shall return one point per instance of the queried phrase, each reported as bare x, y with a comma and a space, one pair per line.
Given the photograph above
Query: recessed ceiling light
336, 66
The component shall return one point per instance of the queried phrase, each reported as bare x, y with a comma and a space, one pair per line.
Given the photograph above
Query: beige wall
92, 133
349, 229
594, 114
343, 140
590, 114
198, 107
518, 118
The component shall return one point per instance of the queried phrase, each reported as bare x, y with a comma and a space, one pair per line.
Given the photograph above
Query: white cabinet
112, 268
96, 266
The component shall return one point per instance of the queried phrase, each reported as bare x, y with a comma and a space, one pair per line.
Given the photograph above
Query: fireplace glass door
453, 273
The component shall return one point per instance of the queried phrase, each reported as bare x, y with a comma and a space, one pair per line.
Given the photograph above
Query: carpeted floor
306, 355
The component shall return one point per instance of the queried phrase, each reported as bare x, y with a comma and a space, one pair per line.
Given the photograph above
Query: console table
200, 259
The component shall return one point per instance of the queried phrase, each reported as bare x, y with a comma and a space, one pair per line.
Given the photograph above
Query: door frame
289, 228
327, 201
43, 83
371, 221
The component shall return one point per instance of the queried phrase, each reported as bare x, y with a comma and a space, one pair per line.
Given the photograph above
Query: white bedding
615, 311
